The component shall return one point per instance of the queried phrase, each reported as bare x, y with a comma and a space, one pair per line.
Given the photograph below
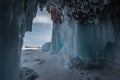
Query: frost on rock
46, 47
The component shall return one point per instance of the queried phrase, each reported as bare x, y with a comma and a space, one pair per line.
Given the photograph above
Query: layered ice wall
15, 19
86, 29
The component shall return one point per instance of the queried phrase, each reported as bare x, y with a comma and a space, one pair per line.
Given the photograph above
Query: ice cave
86, 32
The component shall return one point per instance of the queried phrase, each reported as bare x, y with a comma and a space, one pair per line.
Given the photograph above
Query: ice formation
85, 29
88, 29
46, 47
15, 19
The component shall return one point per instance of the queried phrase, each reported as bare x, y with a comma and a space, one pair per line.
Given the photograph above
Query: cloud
42, 19
41, 33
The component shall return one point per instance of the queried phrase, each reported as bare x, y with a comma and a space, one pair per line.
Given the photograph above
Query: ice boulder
46, 47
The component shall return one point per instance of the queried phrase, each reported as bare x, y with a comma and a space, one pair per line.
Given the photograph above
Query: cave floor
49, 67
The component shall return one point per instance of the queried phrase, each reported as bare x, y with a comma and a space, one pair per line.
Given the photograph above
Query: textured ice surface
46, 47
86, 32
15, 19
52, 69
86, 41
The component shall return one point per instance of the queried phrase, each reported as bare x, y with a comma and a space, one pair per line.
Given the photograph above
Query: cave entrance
41, 31
33, 41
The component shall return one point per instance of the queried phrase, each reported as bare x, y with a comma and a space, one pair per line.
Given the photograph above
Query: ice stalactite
87, 29
92, 40
42, 4
15, 19
56, 39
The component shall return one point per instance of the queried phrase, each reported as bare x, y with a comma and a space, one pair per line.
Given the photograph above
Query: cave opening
41, 31
40, 35
36, 45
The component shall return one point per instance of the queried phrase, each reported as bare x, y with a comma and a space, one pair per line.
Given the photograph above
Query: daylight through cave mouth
41, 31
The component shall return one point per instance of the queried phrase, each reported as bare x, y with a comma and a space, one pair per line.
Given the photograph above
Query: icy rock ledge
28, 74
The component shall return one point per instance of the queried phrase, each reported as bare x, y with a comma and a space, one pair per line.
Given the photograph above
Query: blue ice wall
15, 19
89, 30
56, 39
90, 41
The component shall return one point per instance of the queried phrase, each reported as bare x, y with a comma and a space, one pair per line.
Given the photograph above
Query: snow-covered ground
49, 67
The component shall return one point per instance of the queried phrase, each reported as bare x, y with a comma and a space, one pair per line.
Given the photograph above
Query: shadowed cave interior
85, 42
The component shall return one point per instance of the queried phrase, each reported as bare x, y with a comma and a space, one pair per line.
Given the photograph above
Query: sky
41, 30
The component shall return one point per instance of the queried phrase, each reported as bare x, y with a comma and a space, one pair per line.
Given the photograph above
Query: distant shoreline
30, 48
